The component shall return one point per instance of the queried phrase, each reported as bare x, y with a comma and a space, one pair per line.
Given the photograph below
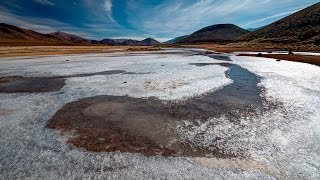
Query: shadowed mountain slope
215, 33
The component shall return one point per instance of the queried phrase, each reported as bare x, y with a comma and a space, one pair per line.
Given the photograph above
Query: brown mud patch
18, 84
110, 123
5, 112
147, 126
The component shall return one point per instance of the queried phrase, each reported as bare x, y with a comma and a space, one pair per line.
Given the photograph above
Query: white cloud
107, 5
99, 11
45, 2
179, 18
269, 17
108, 9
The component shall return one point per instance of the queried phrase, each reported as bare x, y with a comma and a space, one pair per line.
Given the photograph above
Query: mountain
119, 42
130, 42
10, 33
148, 42
13, 35
215, 33
300, 27
69, 37
175, 40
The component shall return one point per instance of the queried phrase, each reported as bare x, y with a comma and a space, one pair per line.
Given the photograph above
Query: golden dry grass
57, 50
296, 58
251, 47
14, 51
238, 47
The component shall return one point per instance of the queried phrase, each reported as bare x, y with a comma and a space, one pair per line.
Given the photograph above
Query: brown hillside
215, 33
302, 27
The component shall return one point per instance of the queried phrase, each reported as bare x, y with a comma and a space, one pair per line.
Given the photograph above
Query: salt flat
281, 142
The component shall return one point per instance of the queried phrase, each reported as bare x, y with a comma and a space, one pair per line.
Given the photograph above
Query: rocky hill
215, 33
12, 34
148, 42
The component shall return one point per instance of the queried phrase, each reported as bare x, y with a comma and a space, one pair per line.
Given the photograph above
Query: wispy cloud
160, 19
178, 18
258, 21
95, 19
100, 11
181, 17
45, 2
107, 5
108, 10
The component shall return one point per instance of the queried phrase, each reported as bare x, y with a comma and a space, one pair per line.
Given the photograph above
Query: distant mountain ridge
130, 42
69, 37
148, 42
13, 35
300, 27
215, 33
119, 42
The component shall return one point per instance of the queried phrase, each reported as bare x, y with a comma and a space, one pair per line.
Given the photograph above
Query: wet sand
147, 126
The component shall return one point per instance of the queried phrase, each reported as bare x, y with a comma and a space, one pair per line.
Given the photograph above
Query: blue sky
138, 19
